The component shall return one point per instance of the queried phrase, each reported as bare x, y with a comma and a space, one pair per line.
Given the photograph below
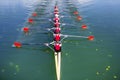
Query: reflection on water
81, 59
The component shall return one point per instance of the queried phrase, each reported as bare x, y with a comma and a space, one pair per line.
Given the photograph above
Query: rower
56, 18
57, 30
57, 24
56, 15
57, 47
56, 10
57, 37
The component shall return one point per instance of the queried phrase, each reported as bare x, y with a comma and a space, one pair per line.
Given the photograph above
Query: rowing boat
57, 54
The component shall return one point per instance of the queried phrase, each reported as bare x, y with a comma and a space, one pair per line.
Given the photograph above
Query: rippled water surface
81, 59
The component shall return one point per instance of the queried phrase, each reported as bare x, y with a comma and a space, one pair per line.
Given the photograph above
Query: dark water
81, 59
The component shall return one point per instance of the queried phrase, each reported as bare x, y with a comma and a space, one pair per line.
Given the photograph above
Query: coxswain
56, 9
57, 37
57, 47
57, 30
57, 24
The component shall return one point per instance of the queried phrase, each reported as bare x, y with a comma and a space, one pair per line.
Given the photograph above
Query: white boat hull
58, 64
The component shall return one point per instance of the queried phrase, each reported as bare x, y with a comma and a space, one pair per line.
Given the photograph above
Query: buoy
26, 29
75, 13
34, 14
79, 18
84, 26
17, 44
90, 38
30, 20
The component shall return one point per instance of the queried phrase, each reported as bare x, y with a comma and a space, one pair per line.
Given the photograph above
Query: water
81, 59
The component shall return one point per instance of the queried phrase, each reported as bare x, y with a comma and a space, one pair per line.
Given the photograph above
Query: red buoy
75, 13
84, 26
79, 18
26, 29
30, 20
90, 38
34, 14
17, 44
